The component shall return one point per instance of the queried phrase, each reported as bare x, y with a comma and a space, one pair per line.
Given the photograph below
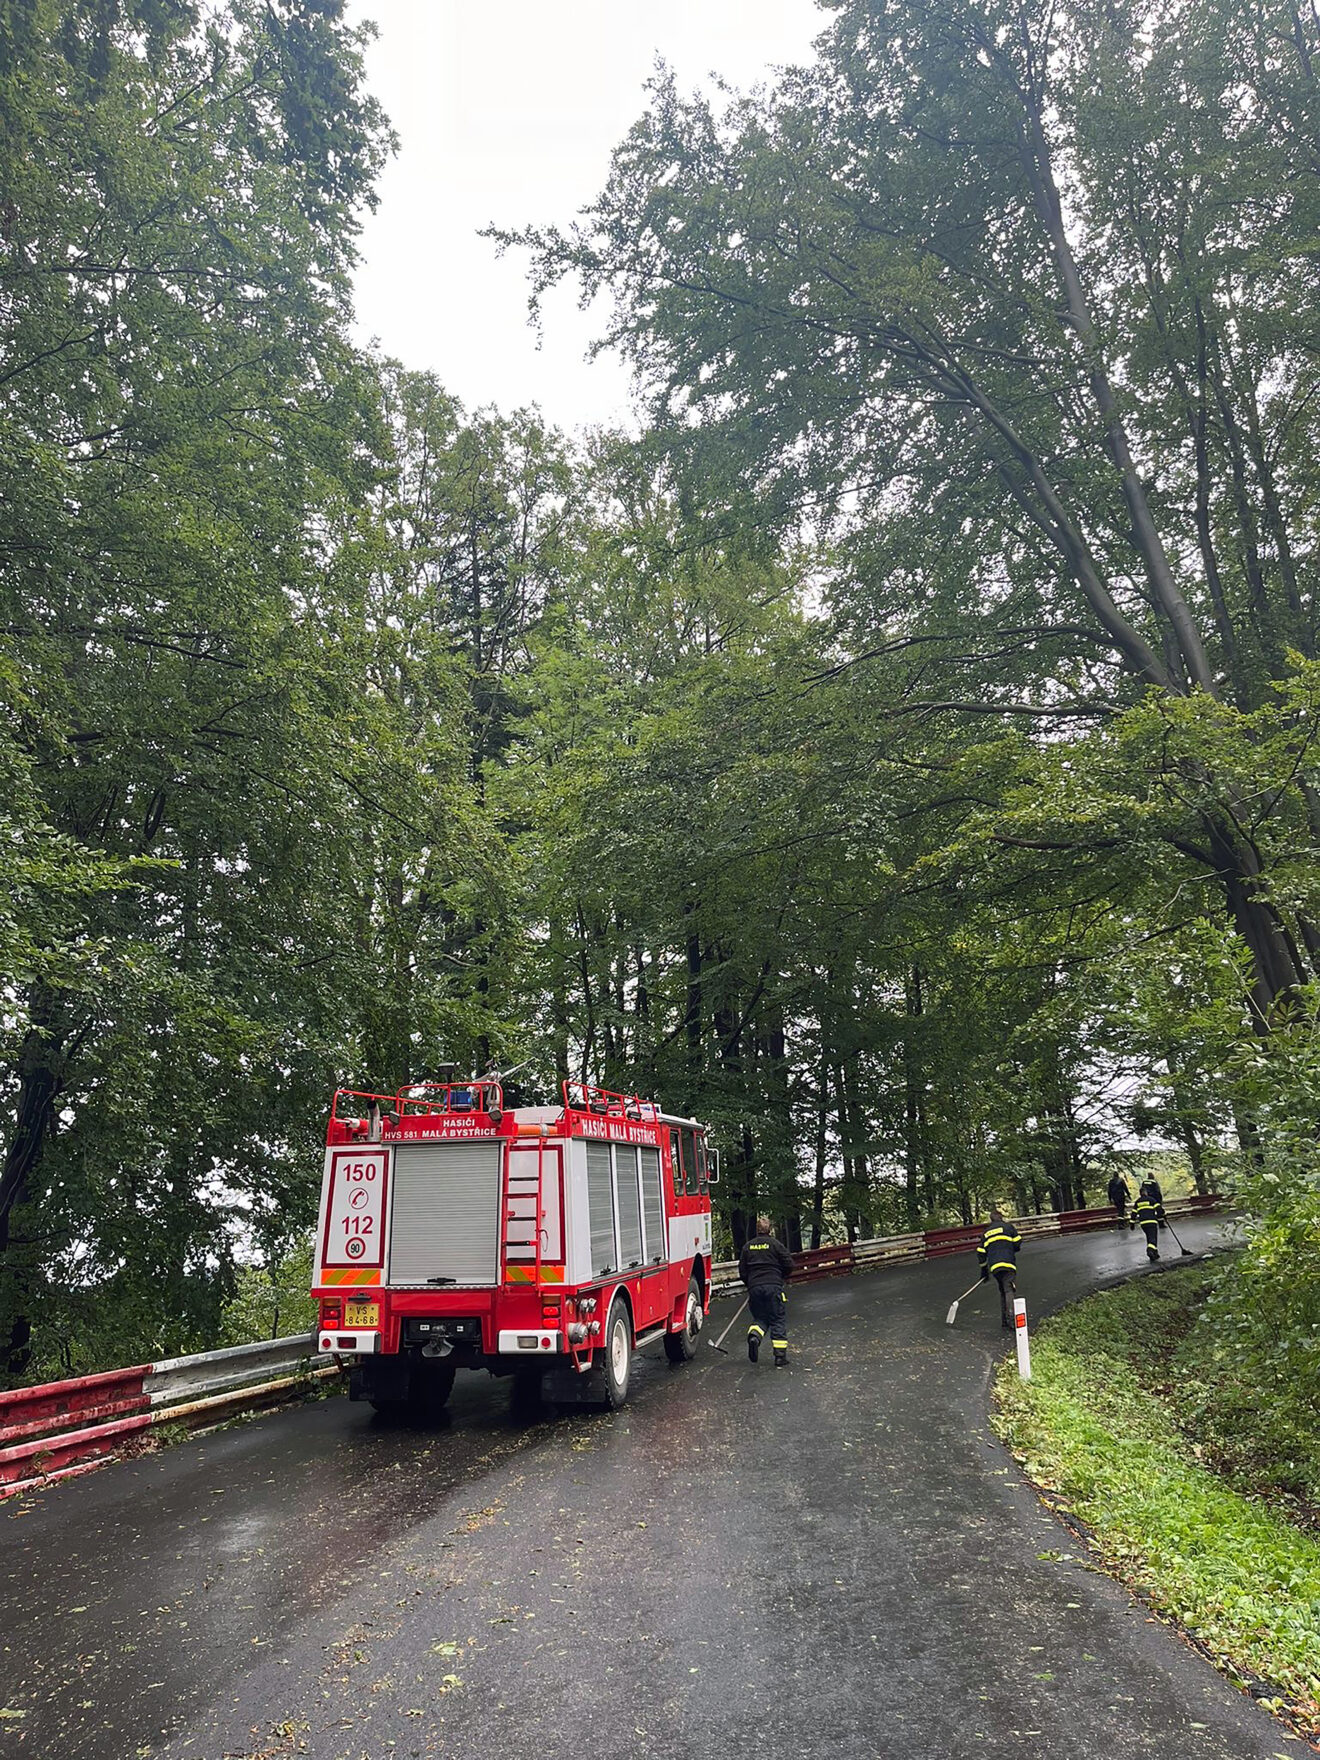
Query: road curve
837, 1557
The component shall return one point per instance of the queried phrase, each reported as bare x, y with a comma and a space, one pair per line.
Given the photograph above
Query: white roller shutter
445, 1216
600, 1209
653, 1206
630, 1210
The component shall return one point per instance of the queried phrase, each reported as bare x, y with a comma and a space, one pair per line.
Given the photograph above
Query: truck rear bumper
515, 1342
363, 1344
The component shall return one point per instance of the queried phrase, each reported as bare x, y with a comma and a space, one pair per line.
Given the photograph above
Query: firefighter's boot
781, 1353
753, 1343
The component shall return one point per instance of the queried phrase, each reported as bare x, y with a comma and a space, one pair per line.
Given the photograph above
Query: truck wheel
681, 1346
432, 1385
525, 1397
617, 1357
427, 1393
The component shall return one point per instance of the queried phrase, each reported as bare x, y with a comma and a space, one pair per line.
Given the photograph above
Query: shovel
717, 1344
952, 1314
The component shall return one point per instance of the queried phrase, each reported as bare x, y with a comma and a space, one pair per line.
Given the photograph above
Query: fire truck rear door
445, 1214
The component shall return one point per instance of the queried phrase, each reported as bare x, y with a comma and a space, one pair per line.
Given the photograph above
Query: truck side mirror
712, 1167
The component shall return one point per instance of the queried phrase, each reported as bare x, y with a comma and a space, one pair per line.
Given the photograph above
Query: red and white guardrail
937, 1243
62, 1428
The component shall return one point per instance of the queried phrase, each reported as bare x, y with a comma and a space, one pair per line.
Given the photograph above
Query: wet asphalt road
834, 1558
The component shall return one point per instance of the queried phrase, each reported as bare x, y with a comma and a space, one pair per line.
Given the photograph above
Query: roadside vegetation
271, 1301
1192, 1461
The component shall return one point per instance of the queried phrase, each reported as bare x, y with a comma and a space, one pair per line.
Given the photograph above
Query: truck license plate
361, 1314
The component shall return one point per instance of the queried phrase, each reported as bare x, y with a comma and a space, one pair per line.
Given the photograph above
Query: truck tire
610, 1380
432, 1385
681, 1346
527, 1394
428, 1393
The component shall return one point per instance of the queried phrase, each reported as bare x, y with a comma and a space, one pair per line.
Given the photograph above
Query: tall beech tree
185, 435
1017, 298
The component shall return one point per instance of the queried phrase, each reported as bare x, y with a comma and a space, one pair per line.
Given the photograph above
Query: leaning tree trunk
1278, 966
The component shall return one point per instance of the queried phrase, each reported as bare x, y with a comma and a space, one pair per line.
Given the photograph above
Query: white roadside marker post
1020, 1335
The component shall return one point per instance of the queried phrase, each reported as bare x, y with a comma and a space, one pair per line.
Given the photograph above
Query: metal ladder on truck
521, 1238
524, 1213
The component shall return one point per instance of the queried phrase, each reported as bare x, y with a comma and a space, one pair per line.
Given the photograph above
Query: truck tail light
332, 1314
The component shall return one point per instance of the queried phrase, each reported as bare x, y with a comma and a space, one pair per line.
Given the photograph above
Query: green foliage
900, 757
1103, 1427
1266, 1321
209, 761
962, 296
271, 1301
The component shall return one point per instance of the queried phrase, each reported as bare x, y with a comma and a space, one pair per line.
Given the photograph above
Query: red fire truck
545, 1242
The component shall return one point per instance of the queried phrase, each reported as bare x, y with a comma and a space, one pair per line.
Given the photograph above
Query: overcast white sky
506, 112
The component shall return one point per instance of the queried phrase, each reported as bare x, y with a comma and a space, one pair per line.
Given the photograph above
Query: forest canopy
899, 755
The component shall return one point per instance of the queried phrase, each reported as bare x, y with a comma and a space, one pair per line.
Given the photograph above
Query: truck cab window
693, 1168
676, 1165
703, 1166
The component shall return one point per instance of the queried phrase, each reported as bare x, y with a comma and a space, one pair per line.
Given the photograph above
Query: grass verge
1099, 1429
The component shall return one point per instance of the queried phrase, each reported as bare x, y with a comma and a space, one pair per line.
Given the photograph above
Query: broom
1186, 1252
952, 1314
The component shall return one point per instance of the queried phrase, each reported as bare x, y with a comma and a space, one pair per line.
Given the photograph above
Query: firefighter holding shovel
765, 1265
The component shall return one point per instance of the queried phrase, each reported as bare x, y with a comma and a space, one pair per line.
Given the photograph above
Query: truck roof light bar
432, 1098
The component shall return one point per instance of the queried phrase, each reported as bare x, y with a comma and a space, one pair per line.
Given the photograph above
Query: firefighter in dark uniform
1154, 1190
765, 1265
1120, 1194
998, 1253
1147, 1215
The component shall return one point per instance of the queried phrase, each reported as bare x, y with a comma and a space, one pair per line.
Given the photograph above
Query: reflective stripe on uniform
758, 1330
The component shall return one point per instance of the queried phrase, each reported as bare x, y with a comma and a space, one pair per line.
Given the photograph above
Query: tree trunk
741, 1181
778, 1150
41, 1065
912, 1110
692, 1016
558, 1002
822, 1142
742, 1216
1165, 594
857, 1193
1277, 964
